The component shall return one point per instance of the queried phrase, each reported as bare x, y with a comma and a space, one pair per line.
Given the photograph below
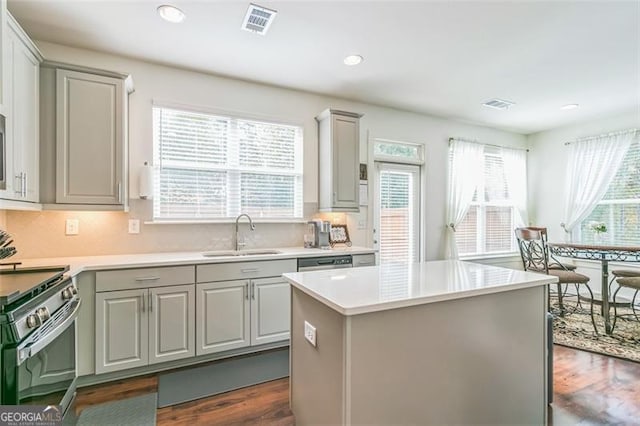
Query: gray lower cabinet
135, 328
270, 310
222, 316
171, 323
122, 327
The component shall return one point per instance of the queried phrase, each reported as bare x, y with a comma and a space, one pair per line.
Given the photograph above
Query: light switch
72, 227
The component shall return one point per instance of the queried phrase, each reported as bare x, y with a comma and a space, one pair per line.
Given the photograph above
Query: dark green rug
576, 331
137, 411
221, 376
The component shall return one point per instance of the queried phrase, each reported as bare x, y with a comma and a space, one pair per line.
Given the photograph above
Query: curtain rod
587, 138
486, 144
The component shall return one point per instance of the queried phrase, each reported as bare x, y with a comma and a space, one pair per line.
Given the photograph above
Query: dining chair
631, 280
535, 258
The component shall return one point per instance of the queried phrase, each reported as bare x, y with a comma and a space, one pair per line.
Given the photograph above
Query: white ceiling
441, 58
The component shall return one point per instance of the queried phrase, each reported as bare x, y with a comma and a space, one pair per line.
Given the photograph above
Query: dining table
604, 254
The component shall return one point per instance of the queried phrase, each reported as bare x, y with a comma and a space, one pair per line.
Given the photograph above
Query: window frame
234, 117
481, 204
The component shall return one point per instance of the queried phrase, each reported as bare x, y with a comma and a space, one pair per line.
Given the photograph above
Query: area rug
137, 411
222, 376
576, 331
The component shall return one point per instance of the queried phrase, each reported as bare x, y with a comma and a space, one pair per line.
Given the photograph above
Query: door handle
19, 177
246, 290
24, 184
150, 302
249, 270
119, 192
142, 300
147, 278
253, 290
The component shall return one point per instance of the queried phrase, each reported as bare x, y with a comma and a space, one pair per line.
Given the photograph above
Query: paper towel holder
145, 181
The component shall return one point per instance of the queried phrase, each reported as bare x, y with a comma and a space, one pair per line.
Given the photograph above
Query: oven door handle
28, 350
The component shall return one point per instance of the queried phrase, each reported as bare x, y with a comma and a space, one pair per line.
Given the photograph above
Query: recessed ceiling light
569, 106
353, 60
171, 13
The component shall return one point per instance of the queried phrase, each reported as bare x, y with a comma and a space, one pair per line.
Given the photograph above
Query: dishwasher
325, 262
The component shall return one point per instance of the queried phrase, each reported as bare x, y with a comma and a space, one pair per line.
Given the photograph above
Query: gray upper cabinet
339, 160
90, 139
21, 97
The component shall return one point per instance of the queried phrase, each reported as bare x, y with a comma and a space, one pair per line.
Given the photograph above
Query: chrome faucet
251, 226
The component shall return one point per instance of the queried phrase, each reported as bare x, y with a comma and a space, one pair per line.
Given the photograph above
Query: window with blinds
488, 226
619, 209
211, 167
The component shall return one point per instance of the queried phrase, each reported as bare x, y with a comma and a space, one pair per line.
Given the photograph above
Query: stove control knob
43, 313
67, 293
33, 321
74, 290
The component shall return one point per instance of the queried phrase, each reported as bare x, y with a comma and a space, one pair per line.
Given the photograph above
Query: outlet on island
310, 333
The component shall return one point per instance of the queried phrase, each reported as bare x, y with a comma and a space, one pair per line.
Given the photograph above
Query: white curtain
464, 175
593, 163
515, 171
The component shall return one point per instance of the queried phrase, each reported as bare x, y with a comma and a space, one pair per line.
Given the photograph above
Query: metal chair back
532, 242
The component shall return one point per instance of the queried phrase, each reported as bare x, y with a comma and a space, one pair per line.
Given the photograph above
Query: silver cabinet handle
249, 270
150, 302
365, 263
147, 278
253, 290
142, 299
120, 192
246, 290
19, 177
24, 184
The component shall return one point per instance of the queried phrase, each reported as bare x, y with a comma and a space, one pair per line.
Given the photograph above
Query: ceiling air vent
258, 19
499, 104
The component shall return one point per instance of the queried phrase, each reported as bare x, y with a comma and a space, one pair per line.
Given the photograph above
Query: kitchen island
442, 342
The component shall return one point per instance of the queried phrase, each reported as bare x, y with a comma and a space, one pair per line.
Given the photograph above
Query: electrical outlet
310, 333
134, 226
72, 227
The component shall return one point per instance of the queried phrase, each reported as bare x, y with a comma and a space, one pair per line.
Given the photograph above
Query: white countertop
397, 285
147, 260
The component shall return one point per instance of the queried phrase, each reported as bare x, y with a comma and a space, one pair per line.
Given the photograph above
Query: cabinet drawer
364, 260
126, 279
244, 270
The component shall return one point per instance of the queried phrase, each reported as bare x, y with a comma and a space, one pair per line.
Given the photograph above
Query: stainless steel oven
39, 347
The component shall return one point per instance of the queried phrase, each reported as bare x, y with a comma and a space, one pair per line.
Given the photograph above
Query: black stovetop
17, 283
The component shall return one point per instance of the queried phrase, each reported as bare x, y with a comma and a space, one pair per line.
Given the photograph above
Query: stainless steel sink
231, 253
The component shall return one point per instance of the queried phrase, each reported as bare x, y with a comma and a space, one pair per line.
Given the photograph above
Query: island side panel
317, 373
476, 360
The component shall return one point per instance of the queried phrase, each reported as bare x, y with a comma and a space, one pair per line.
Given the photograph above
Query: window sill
514, 254
222, 221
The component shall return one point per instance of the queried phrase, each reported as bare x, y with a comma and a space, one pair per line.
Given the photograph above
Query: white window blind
488, 226
619, 209
216, 167
399, 199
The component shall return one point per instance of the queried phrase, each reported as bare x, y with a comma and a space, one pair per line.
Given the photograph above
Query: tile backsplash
42, 234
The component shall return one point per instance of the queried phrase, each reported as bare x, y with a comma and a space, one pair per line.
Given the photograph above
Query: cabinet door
171, 323
270, 310
222, 316
122, 327
89, 138
24, 135
346, 159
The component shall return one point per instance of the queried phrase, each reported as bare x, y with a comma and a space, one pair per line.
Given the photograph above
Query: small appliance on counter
317, 235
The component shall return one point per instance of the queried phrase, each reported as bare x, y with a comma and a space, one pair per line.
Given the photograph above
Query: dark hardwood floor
588, 389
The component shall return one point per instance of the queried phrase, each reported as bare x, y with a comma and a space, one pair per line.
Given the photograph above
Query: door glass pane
399, 229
